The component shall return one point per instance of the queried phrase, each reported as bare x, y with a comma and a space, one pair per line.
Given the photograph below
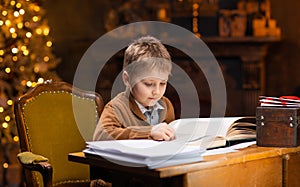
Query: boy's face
148, 89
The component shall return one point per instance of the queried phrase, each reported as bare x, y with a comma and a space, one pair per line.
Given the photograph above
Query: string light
16, 13
12, 30
23, 46
40, 80
5, 165
15, 50
16, 138
39, 31
7, 22
35, 18
46, 58
22, 68
14, 35
4, 13
46, 31
49, 44
18, 5
28, 34
4, 125
22, 11
7, 118
36, 8
10, 102
7, 70
195, 19
29, 83
12, 3
20, 25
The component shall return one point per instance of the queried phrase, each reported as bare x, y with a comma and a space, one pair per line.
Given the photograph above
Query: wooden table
252, 166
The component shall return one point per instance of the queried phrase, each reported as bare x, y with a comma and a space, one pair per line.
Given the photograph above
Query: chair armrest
34, 162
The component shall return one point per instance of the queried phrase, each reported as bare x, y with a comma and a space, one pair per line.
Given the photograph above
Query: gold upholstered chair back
54, 119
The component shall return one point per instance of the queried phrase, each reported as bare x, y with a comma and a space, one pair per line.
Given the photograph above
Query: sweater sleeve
109, 127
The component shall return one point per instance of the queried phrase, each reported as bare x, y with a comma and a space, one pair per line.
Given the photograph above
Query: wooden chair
54, 119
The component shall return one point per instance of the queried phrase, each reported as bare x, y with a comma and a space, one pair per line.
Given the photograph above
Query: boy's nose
155, 90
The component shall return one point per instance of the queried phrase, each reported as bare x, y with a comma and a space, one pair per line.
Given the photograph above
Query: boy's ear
125, 78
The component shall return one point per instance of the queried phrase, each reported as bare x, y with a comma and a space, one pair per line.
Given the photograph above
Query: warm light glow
16, 138
14, 35
14, 50
36, 69
38, 31
9, 102
23, 48
27, 24
4, 125
23, 82
195, 5
49, 44
7, 70
29, 83
22, 11
33, 84
20, 25
46, 58
1, 59
4, 13
7, 22
5, 165
1, 109
25, 52
15, 58
46, 31
16, 13
12, 3
28, 34
7, 118
12, 30
22, 68
1, 22
37, 8
1, 52
40, 80
18, 5
35, 18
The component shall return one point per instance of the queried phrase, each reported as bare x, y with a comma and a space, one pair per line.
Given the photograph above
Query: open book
215, 132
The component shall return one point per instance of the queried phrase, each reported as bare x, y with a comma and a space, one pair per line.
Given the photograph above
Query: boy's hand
162, 131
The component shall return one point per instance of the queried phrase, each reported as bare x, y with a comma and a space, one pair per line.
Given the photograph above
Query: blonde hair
146, 53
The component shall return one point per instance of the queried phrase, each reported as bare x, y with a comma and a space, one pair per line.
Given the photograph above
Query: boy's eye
148, 84
163, 83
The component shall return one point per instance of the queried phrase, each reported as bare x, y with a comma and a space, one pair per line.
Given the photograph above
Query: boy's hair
146, 53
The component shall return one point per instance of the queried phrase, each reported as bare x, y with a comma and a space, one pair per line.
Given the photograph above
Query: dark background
76, 24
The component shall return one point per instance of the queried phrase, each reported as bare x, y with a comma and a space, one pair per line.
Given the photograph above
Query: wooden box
277, 126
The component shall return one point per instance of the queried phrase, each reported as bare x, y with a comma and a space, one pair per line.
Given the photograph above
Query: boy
141, 111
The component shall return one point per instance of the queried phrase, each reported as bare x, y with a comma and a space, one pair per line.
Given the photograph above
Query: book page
211, 132
192, 128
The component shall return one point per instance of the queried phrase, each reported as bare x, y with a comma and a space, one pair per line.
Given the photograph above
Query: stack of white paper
138, 153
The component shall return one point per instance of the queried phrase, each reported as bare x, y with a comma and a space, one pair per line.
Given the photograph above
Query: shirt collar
157, 106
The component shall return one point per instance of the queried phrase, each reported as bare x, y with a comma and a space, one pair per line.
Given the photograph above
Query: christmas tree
26, 59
